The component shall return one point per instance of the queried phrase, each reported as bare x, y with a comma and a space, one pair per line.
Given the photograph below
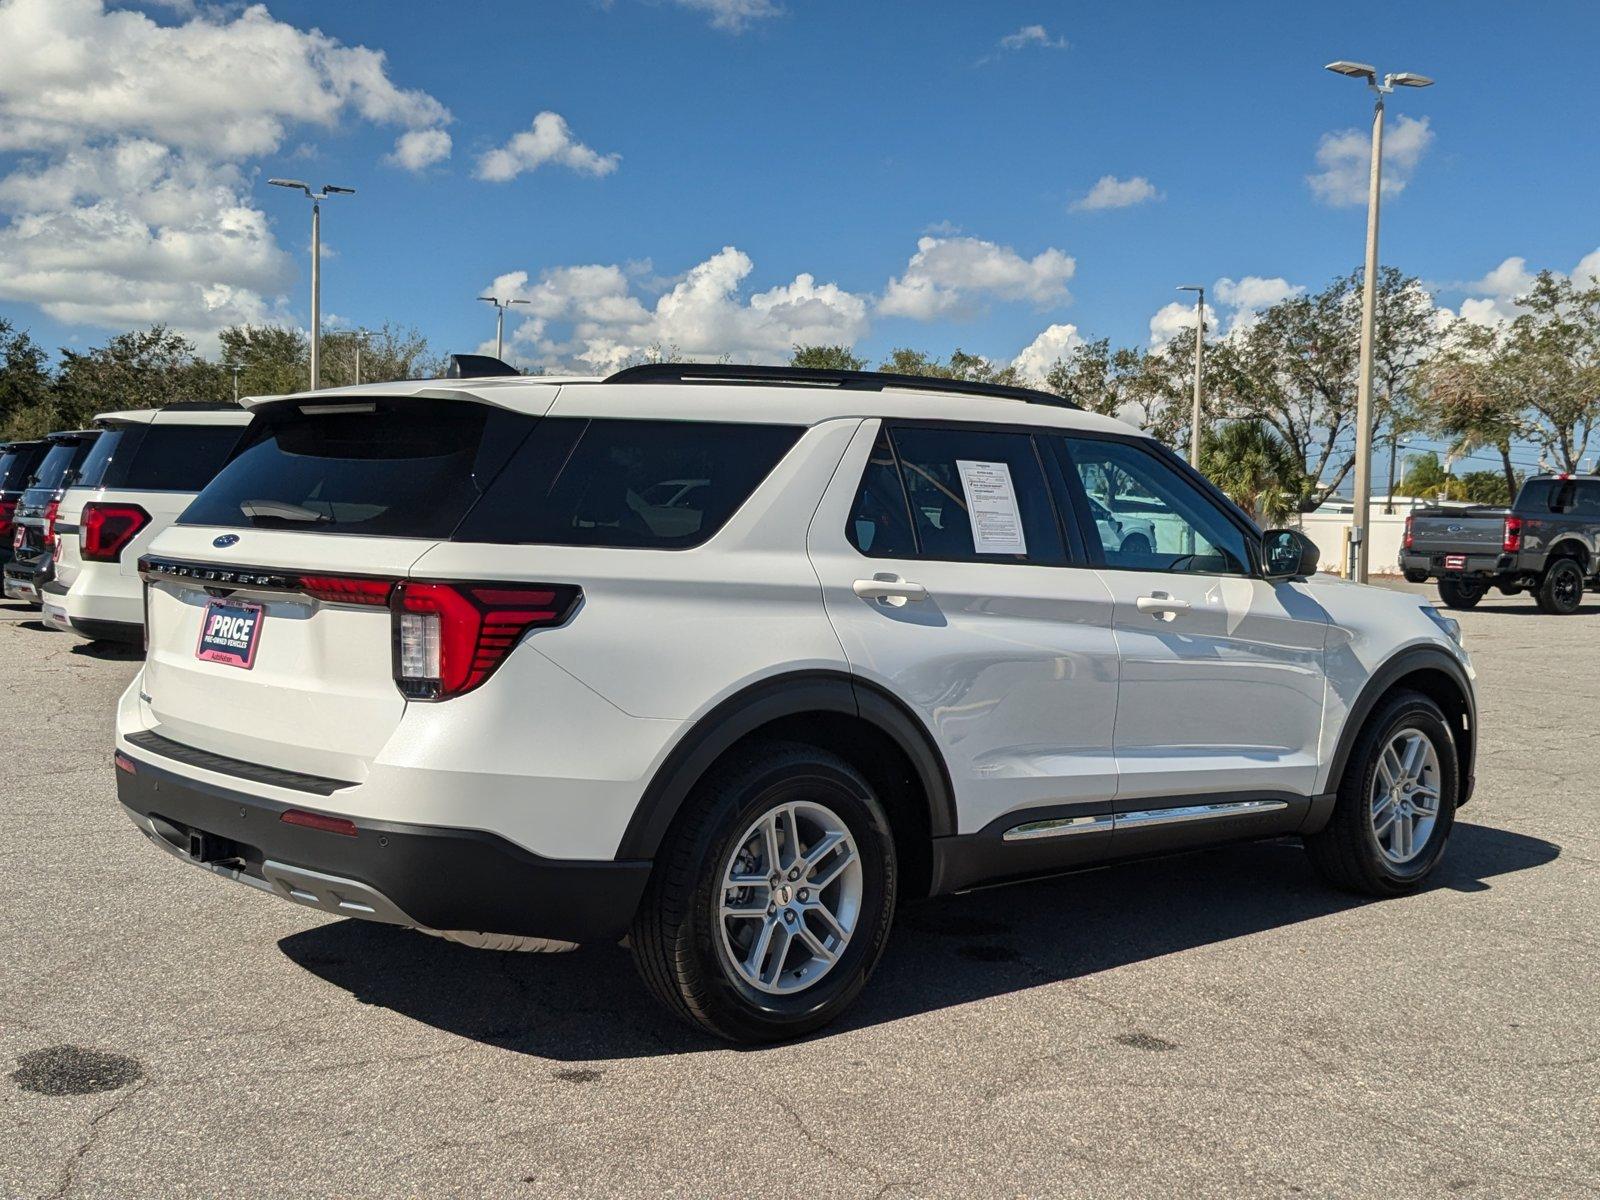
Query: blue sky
819, 140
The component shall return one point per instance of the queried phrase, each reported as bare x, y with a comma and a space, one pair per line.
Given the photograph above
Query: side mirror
1288, 554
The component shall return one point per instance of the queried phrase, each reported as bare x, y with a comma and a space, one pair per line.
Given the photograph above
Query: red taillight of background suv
1512, 542
8, 510
104, 530
450, 637
1411, 541
50, 511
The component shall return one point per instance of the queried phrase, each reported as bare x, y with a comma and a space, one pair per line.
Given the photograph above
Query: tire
1349, 852
1561, 590
1456, 594
687, 952
1416, 575
1508, 589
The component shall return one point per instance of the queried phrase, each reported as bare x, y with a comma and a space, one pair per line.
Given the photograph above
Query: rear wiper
282, 510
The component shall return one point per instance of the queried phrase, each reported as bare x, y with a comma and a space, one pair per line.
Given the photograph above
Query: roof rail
478, 366
860, 381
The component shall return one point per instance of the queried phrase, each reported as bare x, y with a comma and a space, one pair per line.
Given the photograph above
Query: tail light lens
106, 530
50, 511
1411, 542
450, 637
1512, 542
8, 510
347, 590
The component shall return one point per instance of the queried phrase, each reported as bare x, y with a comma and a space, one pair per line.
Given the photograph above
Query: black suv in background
1546, 543
33, 539
18, 462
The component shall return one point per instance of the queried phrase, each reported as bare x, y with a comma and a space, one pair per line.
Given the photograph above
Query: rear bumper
423, 876
21, 582
102, 604
1475, 564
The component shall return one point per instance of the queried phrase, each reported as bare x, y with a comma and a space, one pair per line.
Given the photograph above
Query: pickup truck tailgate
1478, 532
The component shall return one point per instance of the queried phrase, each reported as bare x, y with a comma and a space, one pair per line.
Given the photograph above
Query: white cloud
549, 140
594, 315
72, 71
1345, 157
1587, 272
733, 16
418, 149
1055, 343
1032, 35
133, 203
1111, 192
1492, 299
1240, 301
947, 275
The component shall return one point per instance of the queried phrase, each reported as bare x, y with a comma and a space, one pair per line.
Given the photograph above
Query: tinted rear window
174, 458
19, 466
106, 447
406, 468
10, 461
61, 463
664, 485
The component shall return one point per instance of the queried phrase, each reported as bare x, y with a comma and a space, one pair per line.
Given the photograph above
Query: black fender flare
767, 701
1560, 547
1408, 661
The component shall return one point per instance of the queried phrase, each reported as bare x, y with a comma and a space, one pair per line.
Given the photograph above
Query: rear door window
394, 468
661, 485
977, 495
1587, 502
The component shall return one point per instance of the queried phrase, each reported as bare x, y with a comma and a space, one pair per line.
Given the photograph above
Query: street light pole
235, 368
1361, 514
1199, 361
500, 307
316, 199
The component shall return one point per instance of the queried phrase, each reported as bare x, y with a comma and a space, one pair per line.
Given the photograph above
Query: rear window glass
19, 465
61, 463
403, 468
176, 458
663, 485
10, 463
100, 456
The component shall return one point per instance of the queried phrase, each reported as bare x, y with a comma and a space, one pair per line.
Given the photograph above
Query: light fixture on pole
1361, 513
235, 368
1199, 358
500, 307
316, 199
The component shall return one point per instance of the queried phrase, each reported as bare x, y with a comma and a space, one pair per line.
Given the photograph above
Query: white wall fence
1383, 552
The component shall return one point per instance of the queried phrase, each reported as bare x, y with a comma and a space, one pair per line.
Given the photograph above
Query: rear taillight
106, 530
8, 509
450, 637
1512, 542
347, 589
1411, 541
50, 511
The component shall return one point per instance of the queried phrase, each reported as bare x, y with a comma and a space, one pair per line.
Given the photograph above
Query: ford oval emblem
1447, 529
226, 540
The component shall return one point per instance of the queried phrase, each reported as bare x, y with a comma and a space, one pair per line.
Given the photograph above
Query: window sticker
992, 507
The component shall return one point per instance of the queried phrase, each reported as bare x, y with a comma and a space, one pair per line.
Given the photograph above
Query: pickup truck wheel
1457, 594
1416, 575
1396, 803
772, 897
1561, 589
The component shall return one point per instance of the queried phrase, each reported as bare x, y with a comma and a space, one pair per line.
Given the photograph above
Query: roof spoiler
478, 366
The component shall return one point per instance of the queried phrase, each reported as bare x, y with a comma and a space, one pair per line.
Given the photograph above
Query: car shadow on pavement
589, 1005
109, 651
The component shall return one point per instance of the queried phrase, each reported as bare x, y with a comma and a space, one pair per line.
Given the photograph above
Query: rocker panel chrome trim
1141, 819
1059, 827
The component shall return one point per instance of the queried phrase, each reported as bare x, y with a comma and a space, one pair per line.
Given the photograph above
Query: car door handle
891, 588
1161, 606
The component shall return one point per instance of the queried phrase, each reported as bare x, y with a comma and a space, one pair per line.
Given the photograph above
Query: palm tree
1255, 468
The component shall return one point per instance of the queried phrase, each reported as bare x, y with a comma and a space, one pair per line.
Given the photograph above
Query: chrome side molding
1058, 827
1141, 819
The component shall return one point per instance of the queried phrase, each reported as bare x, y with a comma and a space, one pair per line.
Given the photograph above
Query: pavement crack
91, 1135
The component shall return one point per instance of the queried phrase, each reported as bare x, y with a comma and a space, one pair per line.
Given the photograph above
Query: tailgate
307, 685
1475, 534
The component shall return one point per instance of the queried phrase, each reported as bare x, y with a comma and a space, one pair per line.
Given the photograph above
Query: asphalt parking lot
1212, 1025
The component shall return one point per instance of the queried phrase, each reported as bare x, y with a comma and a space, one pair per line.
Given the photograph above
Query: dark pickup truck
1547, 543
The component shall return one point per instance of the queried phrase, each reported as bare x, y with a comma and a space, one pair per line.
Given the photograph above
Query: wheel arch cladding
871, 730
1437, 675
1571, 547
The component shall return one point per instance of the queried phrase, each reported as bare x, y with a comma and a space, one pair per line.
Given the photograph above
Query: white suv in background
729, 660
144, 469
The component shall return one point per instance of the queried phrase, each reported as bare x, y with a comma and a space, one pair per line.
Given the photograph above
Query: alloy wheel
1404, 805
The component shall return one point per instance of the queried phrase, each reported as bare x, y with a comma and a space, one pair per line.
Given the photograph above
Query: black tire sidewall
1418, 712
823, 780
1460, 595
1547, 591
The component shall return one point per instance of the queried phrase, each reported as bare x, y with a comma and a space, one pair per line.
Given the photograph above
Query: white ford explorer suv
144, 469
729, 660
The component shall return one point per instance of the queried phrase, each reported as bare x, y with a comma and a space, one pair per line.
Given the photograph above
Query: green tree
25, 384
1553, 359
1489, 487
1425, 476
827, 358
971, 367
1255, 468
145, 368
272, 359
388, 353
1472, 396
